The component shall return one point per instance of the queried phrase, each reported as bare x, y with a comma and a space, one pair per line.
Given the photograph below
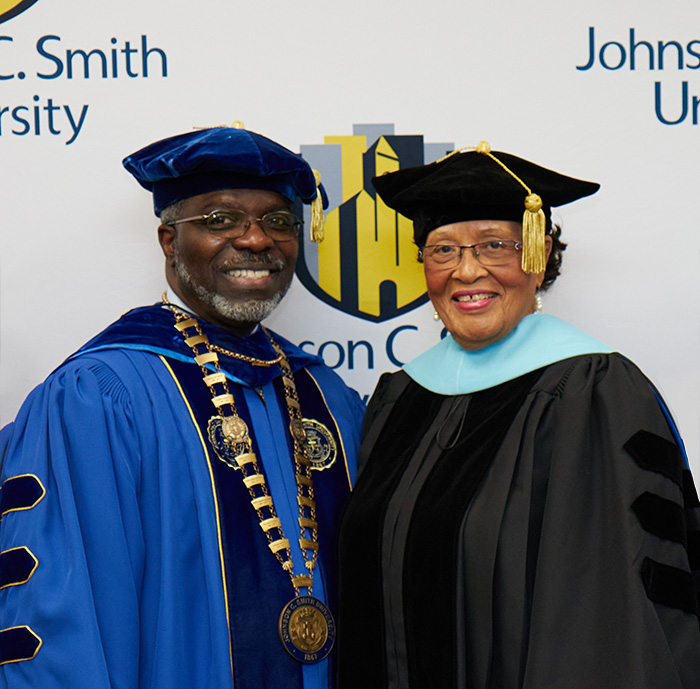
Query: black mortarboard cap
479, 184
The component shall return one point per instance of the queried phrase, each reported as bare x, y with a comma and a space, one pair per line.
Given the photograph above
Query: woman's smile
471, 301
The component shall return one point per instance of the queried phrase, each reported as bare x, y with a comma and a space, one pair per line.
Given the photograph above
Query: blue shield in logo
367, 264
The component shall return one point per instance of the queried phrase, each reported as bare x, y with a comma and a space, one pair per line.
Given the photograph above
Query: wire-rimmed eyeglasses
496, 252
282, 226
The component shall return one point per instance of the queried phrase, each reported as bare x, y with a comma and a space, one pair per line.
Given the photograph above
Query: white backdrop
77, 239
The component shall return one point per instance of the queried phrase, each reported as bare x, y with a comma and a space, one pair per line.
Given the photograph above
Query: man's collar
175, 300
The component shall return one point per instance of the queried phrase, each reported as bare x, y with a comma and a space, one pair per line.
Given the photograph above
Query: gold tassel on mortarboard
534, 254
317, 211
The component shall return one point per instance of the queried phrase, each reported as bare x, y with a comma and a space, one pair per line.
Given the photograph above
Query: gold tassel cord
317, 212
534, 258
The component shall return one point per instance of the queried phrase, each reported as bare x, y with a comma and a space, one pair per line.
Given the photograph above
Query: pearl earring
436, 316
538, 303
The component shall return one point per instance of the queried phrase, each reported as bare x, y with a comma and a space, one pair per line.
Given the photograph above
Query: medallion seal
307, 629
320, 444
226, 440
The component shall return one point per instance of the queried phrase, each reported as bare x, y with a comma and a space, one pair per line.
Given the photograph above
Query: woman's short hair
553, 267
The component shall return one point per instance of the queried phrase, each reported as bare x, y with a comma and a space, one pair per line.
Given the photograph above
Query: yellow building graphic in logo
11, 8
367, 264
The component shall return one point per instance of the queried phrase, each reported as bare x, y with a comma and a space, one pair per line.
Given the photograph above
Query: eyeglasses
282, 226
497, 252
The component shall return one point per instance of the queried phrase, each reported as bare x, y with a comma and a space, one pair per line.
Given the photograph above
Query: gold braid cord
534, 221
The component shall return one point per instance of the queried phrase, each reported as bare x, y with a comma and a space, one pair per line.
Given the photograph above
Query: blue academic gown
131, 556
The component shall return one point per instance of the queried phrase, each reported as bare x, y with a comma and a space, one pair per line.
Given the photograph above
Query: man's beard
252, 311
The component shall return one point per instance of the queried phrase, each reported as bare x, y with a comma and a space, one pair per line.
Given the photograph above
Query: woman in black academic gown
524, 516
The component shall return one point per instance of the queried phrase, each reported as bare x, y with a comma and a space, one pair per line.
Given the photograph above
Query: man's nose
254, 238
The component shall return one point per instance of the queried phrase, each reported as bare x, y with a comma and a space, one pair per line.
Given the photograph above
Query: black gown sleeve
596, 569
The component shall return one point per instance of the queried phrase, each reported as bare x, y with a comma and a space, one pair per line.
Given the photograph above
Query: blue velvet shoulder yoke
151, 328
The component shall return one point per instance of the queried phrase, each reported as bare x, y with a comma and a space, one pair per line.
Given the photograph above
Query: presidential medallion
307, 629
320, 444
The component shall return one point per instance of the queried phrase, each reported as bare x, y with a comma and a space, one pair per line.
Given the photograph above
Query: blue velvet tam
205, 160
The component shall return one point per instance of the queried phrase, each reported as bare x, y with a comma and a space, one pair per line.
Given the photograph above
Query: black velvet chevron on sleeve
666, 584
654, 453
669, 586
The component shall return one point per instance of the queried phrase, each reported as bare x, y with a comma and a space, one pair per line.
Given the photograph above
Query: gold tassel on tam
534, 253
317, 212
534, 258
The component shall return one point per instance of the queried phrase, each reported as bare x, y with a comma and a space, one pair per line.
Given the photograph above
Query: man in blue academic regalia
170, 493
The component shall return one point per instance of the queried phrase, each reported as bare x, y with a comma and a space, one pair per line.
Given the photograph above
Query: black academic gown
539, 534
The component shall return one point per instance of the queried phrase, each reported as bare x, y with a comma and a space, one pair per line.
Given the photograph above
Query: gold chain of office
235, 431
228, 352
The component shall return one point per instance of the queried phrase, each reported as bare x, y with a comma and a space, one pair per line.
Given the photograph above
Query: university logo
367, 264
11, 8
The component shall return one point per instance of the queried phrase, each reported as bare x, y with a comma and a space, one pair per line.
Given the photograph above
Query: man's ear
166, 239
